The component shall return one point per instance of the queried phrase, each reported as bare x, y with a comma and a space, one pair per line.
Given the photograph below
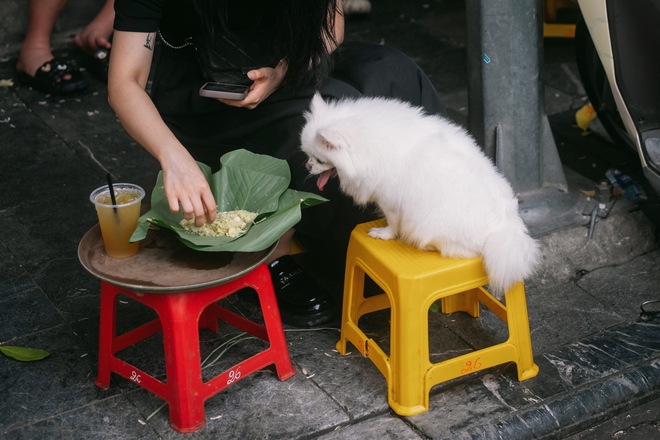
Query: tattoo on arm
148, 44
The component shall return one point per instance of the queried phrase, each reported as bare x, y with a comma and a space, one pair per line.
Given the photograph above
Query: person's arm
185, 184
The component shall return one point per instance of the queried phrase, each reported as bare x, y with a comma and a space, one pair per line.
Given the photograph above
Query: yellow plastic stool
412, 281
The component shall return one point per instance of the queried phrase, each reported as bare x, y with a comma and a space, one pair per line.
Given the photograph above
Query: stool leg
519, 334
409, 348
209, 320
261, 282
353, 287
467, 302
107, 333
182, 360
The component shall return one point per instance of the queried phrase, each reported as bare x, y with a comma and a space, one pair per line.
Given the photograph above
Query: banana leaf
254, 182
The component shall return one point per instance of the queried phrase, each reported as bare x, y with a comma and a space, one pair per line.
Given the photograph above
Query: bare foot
32, 58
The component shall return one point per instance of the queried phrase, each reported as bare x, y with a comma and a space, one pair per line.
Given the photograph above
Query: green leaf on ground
24, 354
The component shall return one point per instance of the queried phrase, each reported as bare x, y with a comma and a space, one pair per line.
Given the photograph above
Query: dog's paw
385, 233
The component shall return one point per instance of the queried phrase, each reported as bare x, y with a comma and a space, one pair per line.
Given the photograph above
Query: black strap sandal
50, 78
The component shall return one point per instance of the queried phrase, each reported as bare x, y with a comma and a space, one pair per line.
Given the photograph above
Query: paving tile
258, 406
452, 411
353, 381
107, 419
39, 161
47, 247
563, 313
34, 391
72, 116
381, 428
118, 154
25, 308
558, 314
59, 148
625, 287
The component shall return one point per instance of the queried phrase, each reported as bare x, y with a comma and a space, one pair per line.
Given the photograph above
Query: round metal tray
165, 265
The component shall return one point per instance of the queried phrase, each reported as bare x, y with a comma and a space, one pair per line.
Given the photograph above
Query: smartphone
225, 91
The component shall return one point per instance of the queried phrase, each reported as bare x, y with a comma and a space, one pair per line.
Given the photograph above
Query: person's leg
96, 35
35, 50
378, 70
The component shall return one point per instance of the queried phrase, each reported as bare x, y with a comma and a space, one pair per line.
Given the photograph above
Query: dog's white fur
435, 187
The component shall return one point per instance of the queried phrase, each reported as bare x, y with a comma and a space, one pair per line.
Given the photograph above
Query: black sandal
49, 78
301, 300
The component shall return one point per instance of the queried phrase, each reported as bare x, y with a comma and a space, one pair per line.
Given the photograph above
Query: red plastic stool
182, 287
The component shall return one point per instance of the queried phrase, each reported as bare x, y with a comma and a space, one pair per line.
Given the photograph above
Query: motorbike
618, 57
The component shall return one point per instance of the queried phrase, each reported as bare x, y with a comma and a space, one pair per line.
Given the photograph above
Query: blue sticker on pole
486, 59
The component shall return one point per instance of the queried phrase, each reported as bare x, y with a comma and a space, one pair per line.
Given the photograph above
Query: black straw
112, 192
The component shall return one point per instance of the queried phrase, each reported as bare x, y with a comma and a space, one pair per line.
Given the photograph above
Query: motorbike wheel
598, 87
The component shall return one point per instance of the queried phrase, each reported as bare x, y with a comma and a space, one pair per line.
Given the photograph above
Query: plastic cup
118, 222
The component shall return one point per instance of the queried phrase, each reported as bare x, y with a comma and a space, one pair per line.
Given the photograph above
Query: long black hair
298, 31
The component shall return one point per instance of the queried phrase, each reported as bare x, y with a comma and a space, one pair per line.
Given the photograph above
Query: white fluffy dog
435, 187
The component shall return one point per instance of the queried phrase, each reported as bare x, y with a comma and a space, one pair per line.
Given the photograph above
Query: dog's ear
317, 103
330, 139
324, 142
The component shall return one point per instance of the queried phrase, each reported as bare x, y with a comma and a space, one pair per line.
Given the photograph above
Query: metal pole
506, 94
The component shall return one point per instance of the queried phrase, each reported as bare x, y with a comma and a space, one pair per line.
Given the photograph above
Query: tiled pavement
596, 358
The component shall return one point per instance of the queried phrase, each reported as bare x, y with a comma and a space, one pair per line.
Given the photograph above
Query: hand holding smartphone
224, 91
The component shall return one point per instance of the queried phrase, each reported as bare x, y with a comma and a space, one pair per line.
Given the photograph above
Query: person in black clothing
300, 46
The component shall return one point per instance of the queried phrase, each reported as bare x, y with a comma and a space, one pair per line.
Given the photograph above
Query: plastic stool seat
412, 281
182, 309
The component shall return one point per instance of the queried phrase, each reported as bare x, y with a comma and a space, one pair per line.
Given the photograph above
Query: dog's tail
510, 255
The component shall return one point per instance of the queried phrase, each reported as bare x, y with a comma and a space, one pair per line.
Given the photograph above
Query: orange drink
118, 221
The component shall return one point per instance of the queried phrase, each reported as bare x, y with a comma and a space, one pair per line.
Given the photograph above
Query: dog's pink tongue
323, 178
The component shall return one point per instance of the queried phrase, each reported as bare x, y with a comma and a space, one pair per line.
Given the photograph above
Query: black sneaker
301, 300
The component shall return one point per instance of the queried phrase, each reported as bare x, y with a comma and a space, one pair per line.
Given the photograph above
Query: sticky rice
227, 224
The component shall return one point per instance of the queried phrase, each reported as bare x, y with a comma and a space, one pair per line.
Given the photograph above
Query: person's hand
266, 81
186, 188
96, 35
91, 42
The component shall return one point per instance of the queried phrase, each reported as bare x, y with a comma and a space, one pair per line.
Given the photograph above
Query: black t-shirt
176, 77
177, 19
